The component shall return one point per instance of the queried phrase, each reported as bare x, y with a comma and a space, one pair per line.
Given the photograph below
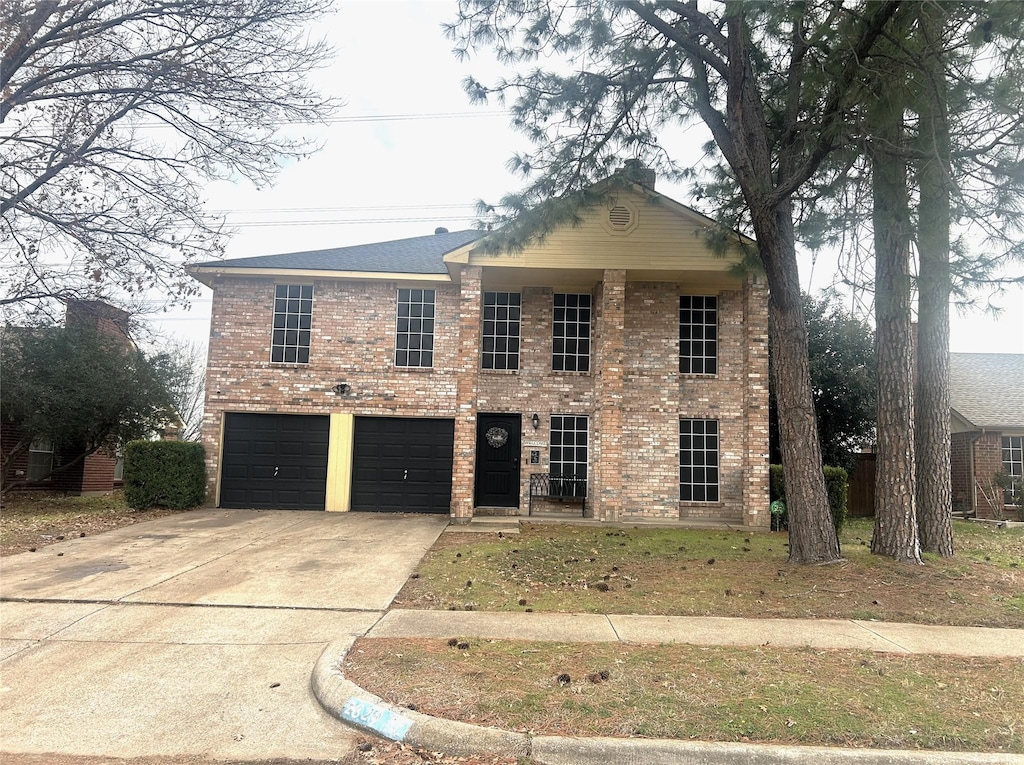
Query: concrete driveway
193, 635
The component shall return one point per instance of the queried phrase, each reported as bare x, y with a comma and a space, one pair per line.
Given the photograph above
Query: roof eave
208, 274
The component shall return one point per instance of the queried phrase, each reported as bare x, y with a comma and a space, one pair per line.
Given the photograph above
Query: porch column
755, 402
606, 495
466, 386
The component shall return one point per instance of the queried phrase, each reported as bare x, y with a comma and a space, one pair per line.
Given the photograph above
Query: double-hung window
698, 460
40, 459
414, 330
698, 334
502, 323
293, 317
568, 453
570, 350
1013, 466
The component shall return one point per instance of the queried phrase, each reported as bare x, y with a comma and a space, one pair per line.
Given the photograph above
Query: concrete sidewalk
705, 630
362, 710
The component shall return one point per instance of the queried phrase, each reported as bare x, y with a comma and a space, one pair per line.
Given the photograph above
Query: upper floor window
698, 460
571, 333
414, 333
502, 315
1013, 466
293, 316
698, 334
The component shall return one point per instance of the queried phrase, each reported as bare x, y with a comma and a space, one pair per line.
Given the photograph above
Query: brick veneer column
606, 494
466, 390
755, 403
988, 460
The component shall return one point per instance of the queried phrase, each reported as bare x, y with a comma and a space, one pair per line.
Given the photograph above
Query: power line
364, 118
350, 222
365, 208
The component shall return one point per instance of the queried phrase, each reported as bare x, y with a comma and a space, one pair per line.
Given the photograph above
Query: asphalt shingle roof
418, 255
988, 388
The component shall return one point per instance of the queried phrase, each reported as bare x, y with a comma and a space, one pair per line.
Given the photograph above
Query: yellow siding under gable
665, 238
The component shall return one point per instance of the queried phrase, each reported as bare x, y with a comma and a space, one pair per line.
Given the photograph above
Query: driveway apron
194, 634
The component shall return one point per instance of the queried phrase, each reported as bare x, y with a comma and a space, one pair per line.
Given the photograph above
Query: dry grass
779, 696
720, 573
30, 520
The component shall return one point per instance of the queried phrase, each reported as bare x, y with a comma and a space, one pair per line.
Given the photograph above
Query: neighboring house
432, 375
987, 423
98, 473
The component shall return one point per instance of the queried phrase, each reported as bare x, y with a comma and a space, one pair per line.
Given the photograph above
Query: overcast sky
408, 153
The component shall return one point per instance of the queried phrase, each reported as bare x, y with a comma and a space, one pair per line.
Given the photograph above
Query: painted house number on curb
390, 725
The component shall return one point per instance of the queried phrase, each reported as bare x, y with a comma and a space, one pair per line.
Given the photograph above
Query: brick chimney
638, 172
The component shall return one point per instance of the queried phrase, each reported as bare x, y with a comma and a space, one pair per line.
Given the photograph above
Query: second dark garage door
402, 465
274, 461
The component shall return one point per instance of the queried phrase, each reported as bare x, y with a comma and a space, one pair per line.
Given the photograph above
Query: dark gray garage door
275, 461
402, 465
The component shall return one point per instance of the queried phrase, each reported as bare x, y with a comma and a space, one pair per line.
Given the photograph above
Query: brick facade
633, 395
975, 458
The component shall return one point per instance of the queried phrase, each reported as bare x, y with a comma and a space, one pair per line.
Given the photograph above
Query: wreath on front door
497, 437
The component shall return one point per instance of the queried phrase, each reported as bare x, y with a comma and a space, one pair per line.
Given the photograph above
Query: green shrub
836, 486
165, 474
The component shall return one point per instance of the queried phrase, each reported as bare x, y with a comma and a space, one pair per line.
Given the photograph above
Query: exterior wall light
535, 420
341, 388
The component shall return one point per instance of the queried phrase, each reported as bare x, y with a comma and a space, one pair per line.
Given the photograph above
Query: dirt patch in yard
31, 520
720, 573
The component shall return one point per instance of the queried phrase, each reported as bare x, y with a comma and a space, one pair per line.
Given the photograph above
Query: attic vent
620, 217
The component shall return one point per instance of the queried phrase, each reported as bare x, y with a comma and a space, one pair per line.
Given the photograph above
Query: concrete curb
335, 694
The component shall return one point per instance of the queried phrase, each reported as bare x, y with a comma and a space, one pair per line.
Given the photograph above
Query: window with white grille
698, 334
1013, 466
293, 318
414, 333
698, 460
571, 333
502, 323
568, 449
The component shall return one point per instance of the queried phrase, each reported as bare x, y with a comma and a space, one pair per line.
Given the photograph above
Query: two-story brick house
433, 375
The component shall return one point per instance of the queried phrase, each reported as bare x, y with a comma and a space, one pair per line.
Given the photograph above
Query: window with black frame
568, 455
698, 334
414, 328
502, 324
698, 461
293, 321
570, 351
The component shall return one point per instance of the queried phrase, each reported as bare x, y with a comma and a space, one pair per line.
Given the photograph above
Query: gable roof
428, 258
986, 389
418, 255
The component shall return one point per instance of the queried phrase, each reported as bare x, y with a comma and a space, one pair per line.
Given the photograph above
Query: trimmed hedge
164, 474
836, 486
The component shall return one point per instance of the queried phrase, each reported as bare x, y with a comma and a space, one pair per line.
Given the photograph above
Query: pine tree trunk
895, 533
932, 430
812, 534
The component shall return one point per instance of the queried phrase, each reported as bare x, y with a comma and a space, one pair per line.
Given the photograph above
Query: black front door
498, 446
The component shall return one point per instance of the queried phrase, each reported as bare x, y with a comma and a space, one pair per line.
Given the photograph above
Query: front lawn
760, 695
720, 573
31, 520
